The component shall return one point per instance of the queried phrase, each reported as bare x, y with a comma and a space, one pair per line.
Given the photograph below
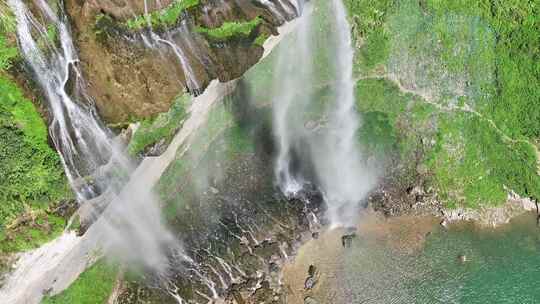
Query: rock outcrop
135, 74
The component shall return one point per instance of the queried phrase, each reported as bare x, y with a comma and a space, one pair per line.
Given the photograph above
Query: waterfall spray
343, 174
80, 138
293, 60
181, 41
331, 152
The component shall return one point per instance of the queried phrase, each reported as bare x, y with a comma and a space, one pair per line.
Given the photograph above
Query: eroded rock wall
131, 78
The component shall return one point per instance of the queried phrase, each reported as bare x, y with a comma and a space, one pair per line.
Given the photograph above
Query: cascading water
344, 176
273, 9
130, 227
181, 42
83, 142
336, 164
292, 71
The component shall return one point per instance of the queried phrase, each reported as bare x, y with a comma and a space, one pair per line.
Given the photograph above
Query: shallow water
413, 260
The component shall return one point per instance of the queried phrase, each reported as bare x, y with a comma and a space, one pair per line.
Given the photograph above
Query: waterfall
345, 177
328, 154
130, 227
292, 71
273, 9
283, 10
81, 139
181, 41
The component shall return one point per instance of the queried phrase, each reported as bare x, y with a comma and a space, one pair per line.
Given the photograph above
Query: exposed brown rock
125, 79
123, 9
129, 80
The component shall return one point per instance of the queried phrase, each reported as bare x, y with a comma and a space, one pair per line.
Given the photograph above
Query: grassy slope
478, 63
161, 127
93, 286
163, 18
231, 30
32, 181
170, 16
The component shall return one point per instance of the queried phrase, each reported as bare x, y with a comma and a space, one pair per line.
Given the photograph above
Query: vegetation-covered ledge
164, 18
453, 85
231, 30
34, 193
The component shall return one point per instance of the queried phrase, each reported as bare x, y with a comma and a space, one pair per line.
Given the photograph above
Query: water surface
414, 260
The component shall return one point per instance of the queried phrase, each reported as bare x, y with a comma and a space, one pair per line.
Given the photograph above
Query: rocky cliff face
135, 72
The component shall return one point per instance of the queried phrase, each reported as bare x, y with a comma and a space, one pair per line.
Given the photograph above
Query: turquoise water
503, 266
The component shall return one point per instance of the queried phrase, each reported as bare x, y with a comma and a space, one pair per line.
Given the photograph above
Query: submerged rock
312, 279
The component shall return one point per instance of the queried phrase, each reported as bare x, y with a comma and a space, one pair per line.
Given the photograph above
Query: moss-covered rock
131, 81
471, 68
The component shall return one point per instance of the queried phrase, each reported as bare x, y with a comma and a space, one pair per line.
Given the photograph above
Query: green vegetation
261, 39
231, 30
31, 229
32, 172
33, 180
93, 286
377, 134
383, 96
472, 163
161, 127
219, 119
8, 49
162, 18
7, 54
370, 30
385, 114
50, 37
33, 183
477, 63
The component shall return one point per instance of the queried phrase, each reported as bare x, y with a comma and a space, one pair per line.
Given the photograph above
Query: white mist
340, 170
130, 227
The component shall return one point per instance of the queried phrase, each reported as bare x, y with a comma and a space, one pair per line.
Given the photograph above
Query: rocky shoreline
493, 216
396, 198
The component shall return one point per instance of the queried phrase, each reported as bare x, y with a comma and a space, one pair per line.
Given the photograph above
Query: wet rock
310, 125
158, 148
462, 258
312, 270
130, 80
312, 279
444, 223
214, 190
310, 300
346, 240
310, 283
238, 297
240, 239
